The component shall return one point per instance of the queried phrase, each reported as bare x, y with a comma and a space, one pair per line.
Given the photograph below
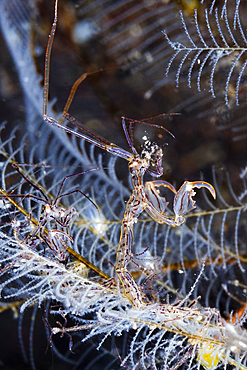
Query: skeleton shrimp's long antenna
47, 61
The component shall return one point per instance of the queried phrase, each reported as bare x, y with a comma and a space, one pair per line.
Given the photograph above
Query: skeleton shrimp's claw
153, 194
183, 202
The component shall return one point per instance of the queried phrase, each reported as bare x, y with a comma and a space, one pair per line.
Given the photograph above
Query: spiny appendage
183, 202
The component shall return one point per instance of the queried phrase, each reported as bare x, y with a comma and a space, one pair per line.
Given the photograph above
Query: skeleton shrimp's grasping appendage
145, 196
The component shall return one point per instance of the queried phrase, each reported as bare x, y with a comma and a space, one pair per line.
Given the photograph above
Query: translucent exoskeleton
145, 196
53, 214
58, 242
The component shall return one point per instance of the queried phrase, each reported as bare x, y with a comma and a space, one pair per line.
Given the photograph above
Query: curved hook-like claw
183, 202
203, 184
153, 194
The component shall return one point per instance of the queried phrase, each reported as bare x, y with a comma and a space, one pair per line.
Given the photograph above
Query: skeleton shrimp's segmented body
145, 196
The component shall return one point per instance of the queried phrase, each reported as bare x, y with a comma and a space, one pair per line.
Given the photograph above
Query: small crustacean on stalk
145, 196
53, 214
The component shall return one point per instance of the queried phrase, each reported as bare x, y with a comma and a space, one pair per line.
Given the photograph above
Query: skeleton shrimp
145, 196
56, 239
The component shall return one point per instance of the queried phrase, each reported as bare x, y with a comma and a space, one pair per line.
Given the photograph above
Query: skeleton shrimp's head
153, 153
